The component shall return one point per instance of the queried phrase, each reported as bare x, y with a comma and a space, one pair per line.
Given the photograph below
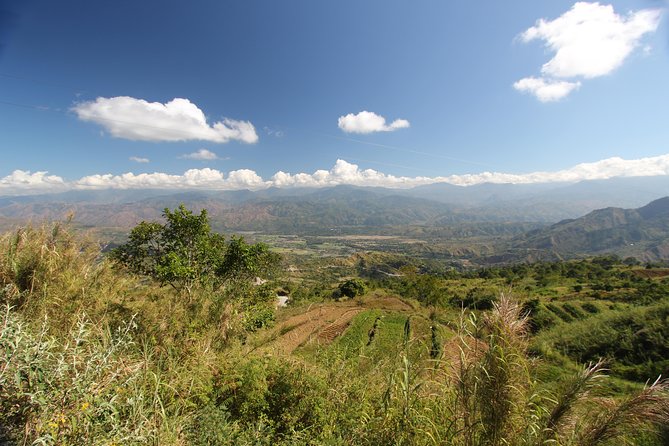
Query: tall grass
85, 388
92, 355
497, 402
50, 270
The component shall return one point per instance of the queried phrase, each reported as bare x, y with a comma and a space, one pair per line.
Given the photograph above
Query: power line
119, 121
173, 131
41, 82
396, 148
360, 160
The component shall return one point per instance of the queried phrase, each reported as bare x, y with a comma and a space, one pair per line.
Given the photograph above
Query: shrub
283, 394
476, 299
496, 402
538, 317
560, 312
635, 341
50, 270
352, 288
85, 389
573, 310
590, 307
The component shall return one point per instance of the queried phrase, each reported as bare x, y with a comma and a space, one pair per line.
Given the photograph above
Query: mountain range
642, 233
569, 220
278, 209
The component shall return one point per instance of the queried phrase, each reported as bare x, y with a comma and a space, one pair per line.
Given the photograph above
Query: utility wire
173, 131
404, 149
119, 121
41, 82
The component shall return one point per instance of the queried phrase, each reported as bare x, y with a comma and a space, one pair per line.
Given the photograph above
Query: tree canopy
184, 252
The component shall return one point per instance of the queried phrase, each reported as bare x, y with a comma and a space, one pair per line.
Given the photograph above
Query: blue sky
87, 90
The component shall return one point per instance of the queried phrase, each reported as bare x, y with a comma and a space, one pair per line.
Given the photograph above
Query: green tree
184, 253
352, 288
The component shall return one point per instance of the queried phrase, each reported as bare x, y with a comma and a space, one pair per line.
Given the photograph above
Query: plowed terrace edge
323, 323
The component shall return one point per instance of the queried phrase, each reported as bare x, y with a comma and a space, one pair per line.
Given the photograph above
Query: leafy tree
184, 253
245, 262
352, 288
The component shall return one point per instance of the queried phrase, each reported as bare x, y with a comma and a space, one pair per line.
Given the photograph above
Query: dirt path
323, 323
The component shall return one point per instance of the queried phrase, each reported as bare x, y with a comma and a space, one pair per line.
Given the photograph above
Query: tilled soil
323, 323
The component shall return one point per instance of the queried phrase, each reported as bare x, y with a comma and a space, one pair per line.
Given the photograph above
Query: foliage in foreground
135, 364
184, 253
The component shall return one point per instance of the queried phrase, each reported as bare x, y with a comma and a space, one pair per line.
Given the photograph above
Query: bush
559, 312
590, 307
635, 341
352, 288
539, 318
476, 299
85, 389
284, 395
573, 310
51, 271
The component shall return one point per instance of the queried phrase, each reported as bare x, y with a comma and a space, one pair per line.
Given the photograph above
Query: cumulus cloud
139, 159
369, 122
177, 120
546, 90
202, 155
23, 182
193, 178
588, 41
598, 170
344, 172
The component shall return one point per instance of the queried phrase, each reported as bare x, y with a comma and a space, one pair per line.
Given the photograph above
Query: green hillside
642, 233
173, 340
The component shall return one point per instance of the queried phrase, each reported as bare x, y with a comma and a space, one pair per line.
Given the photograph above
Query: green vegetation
171, 340
352, 288
184, 253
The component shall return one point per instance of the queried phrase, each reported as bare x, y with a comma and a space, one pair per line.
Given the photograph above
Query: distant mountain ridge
641, 232
573, 220
294, 209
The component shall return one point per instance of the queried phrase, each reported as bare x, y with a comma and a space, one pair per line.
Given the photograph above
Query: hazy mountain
309, 209
642, 233
552, 199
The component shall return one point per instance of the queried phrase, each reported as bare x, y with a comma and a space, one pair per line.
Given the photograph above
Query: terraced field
323, 323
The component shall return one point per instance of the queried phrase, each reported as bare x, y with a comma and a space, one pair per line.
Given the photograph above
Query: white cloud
202, 155
139, 159
598, 170
193, 178
344, 172
546, 90
22, 182
588, 41
245, 179
176, 120
369, 122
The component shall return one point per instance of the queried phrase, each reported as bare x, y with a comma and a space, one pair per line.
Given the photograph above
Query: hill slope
642, 232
